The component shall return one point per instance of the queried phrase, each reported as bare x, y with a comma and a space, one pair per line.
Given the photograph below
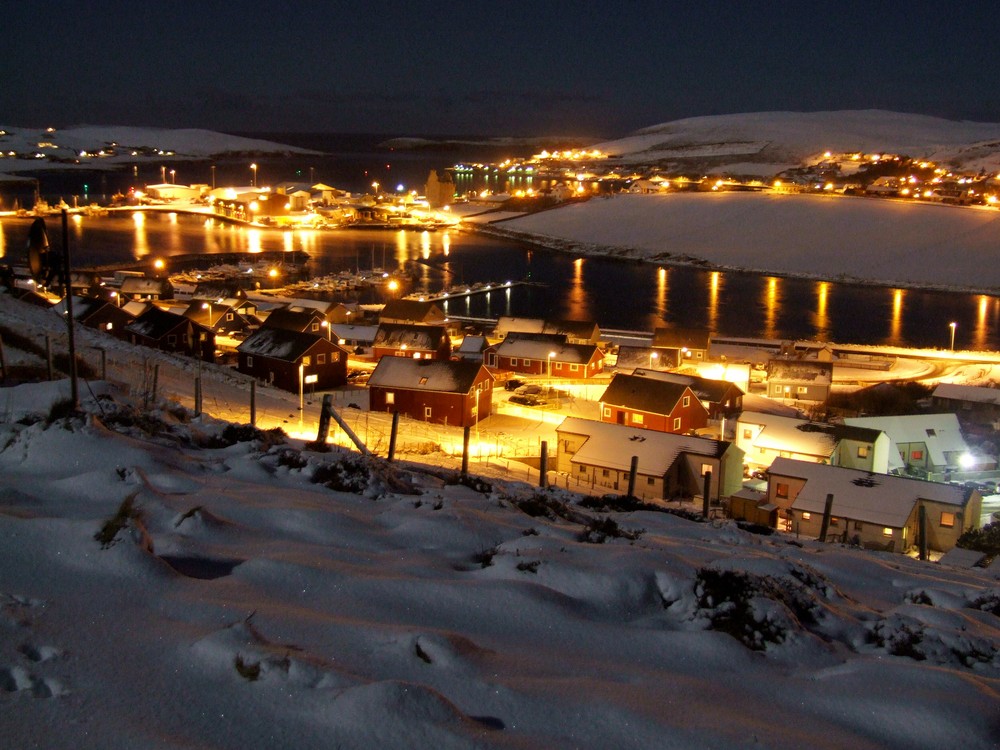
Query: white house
929, 445
765, 437
879, 511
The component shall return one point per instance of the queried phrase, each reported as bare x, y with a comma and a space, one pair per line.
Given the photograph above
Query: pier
459, 292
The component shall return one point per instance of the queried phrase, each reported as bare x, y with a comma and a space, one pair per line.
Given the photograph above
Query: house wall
849, 455
797, 391
867, 534
386, 351
691, 417
285, 375
428, 406
782, 490
971, 412
647, 487
940, 536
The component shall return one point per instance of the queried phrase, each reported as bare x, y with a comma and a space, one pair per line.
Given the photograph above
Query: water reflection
577, 299
772, 298
896, 319
140, 238
821, 321
616, 295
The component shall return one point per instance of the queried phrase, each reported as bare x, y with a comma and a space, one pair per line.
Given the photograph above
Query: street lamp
549, 361
208, 306
173, 176
952, 326
163, 174
375, 188
253, 169
213, 177
652, 356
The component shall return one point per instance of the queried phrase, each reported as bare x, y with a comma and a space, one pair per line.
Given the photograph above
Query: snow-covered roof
279, 343
941, 433
883, 499
799, 435
540, 348
410, 336
974, 393
447, 376
613, 446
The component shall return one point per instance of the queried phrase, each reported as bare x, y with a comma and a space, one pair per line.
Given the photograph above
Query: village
731, 428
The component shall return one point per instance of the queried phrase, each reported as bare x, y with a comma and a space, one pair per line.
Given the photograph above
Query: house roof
516, 346
883, 499
974, 393
806, 372
440, 375
155, 323
613, 445
280, 343
397, 335
939, 432
578, 329
803, 435
350, 332
133, 285
705, 388
411, 309
644, 394
473, 345
679, 338
292, 318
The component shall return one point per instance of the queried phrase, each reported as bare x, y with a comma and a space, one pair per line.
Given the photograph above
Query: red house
291, 360
444, 391
166, 331
411, 341
549, 356
652, 404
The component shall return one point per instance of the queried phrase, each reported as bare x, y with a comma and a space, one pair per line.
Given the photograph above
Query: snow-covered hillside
791, 138
176, 582
120, 144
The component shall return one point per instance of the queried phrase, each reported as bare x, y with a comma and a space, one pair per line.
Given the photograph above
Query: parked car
531, 389
513, 384
528, 400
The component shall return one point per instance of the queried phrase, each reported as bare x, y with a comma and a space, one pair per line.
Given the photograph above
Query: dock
458, 292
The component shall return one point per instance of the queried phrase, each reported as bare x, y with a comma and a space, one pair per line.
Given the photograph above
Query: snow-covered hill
170, 582
792, 138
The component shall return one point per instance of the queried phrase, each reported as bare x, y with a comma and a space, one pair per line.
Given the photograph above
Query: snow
839, 238
796, 137
257, 594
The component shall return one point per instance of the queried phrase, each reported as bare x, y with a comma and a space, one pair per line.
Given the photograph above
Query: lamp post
952, 326
653, 356
213, 177
173, 176
549, 361
208, 306
163, 174
375, 188
253, 170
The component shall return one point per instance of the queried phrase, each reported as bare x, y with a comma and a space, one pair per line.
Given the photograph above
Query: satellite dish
44, 267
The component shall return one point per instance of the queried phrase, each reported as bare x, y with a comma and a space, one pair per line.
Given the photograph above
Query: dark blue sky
499, 68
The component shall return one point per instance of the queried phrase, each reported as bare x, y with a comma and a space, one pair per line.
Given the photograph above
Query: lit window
917, 455
834, 521
636, 419
390, 397
886, 531
863, 451
947, 520
747, 434
802, 389
306, 361
705, 469
806, 516
423, 381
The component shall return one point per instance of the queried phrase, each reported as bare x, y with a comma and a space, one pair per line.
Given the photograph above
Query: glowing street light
549, 361
163, 174
208, 306
952, 326
375, 188
253, 170
173, 175
653, 356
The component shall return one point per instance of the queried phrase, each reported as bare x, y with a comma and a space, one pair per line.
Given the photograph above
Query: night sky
598, 69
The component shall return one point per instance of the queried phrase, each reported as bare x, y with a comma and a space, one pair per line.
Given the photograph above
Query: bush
599, 530
986, 539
